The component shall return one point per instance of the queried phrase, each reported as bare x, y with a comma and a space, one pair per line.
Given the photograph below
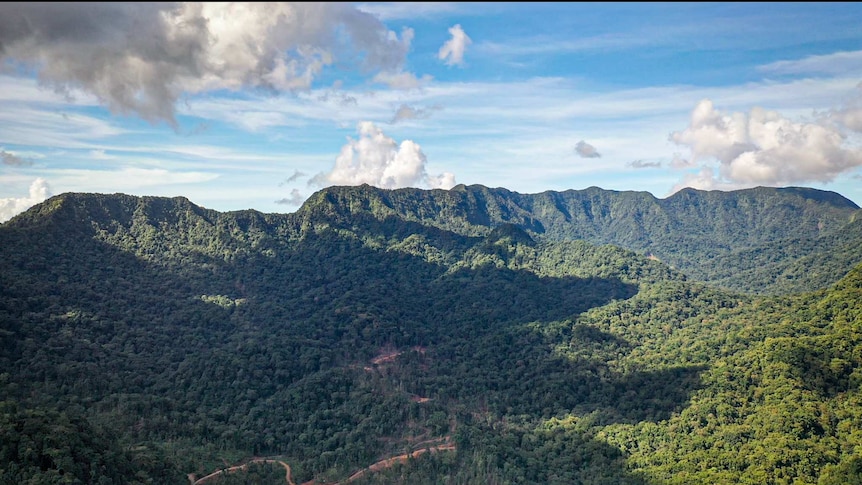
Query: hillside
149, 338
760, 240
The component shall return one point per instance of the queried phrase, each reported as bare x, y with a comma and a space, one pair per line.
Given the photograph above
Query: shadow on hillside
135, 340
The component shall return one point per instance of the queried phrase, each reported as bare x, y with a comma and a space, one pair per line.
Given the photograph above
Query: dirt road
388, 462
244, 467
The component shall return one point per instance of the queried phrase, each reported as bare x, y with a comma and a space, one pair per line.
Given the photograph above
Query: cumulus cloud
644, 164
849, 115
379, 160
39, 191
678, 162
585, 150
141, 58
764, 148
295, 199
13, 160
704, 179
445, 180
452, 52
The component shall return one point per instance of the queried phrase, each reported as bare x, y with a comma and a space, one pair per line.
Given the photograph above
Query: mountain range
583, 336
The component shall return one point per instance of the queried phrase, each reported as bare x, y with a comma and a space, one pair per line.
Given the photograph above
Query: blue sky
240, 106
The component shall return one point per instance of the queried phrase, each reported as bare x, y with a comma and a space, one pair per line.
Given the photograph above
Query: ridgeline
587, 336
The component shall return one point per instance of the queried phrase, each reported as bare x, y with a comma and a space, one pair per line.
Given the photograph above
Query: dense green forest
761, 240
575, 337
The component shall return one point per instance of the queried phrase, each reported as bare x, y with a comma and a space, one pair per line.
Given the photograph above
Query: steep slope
791, 265
710, 236
192, 331
784, 409
182, 339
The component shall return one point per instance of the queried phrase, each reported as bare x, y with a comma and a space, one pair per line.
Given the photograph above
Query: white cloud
512, 106
722, 33
401, 80
837, 63
142, 57
764, 148
42, 127
10, 207
452, 52
704, 179
678, 162
445, 180
100, 155
585, 150
378, 160
253, 121
20, 91
407, 10
541, 45
849, 114
126, 179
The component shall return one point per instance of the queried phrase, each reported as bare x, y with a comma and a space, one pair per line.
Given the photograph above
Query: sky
257, 106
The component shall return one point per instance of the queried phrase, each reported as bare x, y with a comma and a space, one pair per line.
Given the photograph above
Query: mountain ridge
719, 237
186, 339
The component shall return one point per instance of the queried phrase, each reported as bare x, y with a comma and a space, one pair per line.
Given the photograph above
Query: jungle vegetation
566, 337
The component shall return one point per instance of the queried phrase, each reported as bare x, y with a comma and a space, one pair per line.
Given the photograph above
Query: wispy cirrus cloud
131, 179
836, 63
408, 10
401, 80
538, 45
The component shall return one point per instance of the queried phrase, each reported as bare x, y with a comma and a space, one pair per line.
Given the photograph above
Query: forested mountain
143, 339
761, 240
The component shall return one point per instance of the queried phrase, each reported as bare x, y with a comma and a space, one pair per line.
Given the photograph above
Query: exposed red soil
244, 467
386, 356
389, 462
390, 355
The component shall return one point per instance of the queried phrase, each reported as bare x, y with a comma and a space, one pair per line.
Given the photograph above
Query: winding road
244, 467
388, 462
375, 467
444, 445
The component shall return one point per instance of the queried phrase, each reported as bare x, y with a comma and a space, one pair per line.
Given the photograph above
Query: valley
474, 335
